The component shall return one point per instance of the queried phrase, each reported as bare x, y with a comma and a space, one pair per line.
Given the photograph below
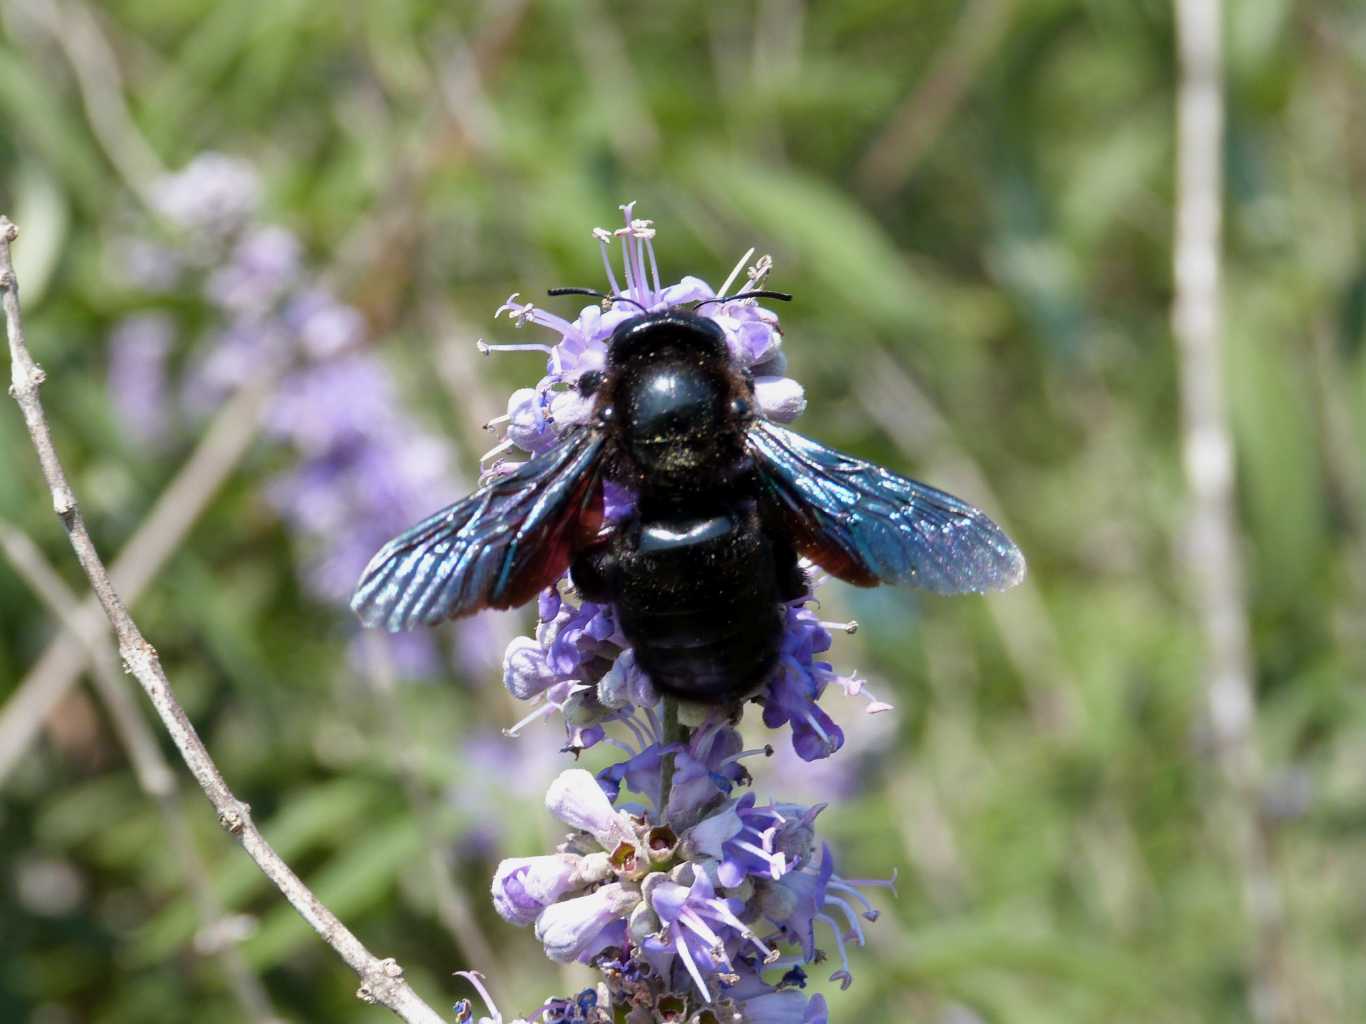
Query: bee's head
669, 389
676, 331
673, 395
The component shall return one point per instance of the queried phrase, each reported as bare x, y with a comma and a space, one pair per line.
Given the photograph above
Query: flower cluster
694, 913
361, 469
694, 900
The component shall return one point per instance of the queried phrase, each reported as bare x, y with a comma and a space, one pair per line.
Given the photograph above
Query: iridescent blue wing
867, 525
495, 549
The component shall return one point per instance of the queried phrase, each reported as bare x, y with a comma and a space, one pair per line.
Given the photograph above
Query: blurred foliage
991, 308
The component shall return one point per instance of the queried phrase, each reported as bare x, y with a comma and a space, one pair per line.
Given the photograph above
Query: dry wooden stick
381, 979
1213, 553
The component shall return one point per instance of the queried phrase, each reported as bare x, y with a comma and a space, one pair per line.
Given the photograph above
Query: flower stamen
730, 278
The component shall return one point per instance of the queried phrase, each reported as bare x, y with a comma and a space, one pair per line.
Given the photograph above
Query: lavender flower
361, 467
138, 350
214, 195
698, 926
524, 886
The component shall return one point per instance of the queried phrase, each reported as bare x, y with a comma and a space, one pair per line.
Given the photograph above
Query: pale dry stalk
1213, 554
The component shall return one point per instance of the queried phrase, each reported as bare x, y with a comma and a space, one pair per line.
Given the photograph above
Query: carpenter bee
727, 503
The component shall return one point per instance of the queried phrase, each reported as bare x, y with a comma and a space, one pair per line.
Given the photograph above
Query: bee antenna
597, 295
758, 294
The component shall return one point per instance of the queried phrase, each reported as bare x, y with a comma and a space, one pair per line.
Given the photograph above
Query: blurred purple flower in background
362, 467
138, 350
211, 198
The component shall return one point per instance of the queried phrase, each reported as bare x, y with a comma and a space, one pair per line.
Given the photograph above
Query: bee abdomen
699, 600
711, 659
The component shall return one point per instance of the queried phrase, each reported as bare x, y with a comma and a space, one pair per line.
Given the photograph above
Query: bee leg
593, 572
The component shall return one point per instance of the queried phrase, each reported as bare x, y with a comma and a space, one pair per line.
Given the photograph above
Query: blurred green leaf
354, 881
314, 817
41, 211
835, 242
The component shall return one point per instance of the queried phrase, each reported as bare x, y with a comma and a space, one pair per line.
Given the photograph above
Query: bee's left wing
494, 549
867, 525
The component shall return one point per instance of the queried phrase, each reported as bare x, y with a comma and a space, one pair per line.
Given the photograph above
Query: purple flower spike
138, 349
667, 908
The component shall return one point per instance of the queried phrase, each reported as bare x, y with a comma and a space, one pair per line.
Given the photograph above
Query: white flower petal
567, 928
577, 800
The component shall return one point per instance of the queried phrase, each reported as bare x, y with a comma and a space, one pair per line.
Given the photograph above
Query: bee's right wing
496, 548
868, 525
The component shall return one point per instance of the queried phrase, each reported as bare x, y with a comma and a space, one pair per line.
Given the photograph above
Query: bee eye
589, 382
741, 407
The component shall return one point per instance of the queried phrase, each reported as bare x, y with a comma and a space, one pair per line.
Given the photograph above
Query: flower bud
527, 424
568, 928
643, 923
525, 886
781, 398
525, 672
576, 798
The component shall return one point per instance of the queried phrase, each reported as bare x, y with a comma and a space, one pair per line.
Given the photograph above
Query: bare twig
381, 980
153, 771
176, 510
1213, 555
914, 126
74, 28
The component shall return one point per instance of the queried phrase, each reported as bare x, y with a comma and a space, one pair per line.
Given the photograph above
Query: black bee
727, 501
